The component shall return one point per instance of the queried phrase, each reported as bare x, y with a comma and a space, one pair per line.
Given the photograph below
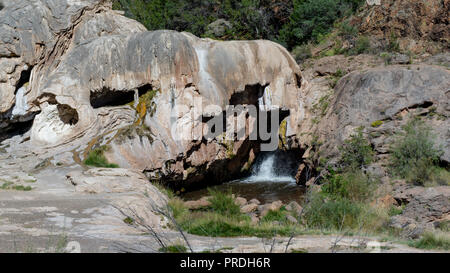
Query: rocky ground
57, 215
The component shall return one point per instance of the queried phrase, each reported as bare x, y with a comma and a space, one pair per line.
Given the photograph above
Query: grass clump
223, 203
432, 240
275, 216
173, 249
22, 188
8, 185
414, 156
97, 158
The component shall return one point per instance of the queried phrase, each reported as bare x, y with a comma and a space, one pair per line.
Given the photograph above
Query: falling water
265, 171
271, 179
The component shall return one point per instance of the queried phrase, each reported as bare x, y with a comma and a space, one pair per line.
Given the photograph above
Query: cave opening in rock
111, 98
250, 172
67, 114
15, 129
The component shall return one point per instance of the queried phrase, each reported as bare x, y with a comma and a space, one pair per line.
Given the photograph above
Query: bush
413, 155
362, 46
275, 215
325, 212
356, 152
331, 214
97, 159
354, 186
223, 203
311, 19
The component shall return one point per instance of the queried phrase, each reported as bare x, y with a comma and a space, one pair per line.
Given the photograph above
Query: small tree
356, 152
414, 155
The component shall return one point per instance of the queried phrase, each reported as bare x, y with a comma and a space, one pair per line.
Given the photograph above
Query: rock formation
90, 77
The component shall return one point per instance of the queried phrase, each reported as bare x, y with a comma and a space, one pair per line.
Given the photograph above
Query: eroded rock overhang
123, 86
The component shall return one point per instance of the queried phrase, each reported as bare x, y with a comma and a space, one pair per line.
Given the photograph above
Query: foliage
96, 158
250, 19
301, 52
223, 219
432, 240
275, 215
362, 45
290, 23
223, 203
173, 249
311, 19
377, 123
356, 152
354, 186
128, 220
414, 155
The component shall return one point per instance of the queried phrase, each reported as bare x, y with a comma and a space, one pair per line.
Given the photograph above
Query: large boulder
388, 96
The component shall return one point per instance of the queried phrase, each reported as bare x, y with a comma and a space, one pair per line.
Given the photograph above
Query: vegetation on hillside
415, 155
343, 200
97, 158
290, 23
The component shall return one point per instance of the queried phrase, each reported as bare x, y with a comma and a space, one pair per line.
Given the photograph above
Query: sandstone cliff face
90, 77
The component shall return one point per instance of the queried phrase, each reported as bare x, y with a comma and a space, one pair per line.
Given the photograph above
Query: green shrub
275, 215
393, 45
312, 19
326, 213
223, 203
387, 57
331, 214
173, 249
413, 155
356, 152
354, 186
430, 240
362, 45
393, 211
97, 159
347, 30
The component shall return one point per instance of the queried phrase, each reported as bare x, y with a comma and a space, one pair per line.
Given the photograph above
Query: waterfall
21, 107
265, 171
